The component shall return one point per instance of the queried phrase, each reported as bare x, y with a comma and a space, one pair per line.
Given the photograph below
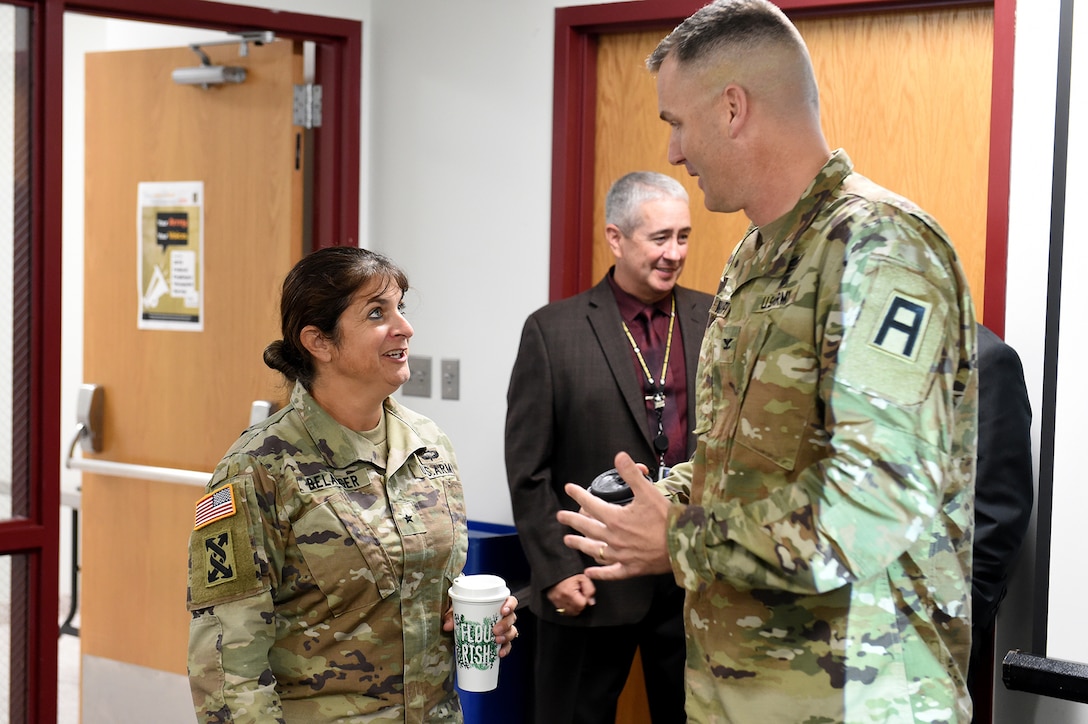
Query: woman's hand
505, 631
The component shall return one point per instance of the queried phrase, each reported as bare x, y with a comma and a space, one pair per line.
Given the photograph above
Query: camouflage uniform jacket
823, 527
319, 573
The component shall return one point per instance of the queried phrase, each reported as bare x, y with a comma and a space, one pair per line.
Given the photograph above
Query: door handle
88, 435
89, 417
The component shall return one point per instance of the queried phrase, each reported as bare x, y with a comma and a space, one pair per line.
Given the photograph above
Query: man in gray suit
609, 369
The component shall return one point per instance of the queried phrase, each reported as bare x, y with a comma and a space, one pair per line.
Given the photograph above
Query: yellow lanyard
657, 392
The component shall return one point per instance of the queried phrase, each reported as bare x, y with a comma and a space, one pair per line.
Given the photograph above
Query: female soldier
322, 555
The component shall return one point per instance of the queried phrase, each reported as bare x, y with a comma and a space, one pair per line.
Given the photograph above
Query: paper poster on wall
170, 218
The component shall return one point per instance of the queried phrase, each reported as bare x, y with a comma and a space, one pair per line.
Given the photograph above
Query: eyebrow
386, 291
669, 230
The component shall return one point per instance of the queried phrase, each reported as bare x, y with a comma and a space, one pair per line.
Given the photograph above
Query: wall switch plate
419, 385
451, 379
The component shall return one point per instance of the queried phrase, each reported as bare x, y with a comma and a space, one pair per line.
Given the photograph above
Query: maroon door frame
335, 222
576, 32
338, 72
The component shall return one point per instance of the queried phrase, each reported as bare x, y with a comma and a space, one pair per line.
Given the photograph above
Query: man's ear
613, 236
316, 343
734, 108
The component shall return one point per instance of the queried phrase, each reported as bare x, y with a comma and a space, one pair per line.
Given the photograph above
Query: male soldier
591, 379
822, 530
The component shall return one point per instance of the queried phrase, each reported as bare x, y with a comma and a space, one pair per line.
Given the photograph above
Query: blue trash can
494, 548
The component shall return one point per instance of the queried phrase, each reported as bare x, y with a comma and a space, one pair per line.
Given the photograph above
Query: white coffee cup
477, 607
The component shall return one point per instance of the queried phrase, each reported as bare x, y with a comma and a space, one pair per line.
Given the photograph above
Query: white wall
1029, 240
1067, 638
456, 159
460, 179
460, 184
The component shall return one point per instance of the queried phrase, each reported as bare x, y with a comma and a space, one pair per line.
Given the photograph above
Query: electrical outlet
419, 385
451, 379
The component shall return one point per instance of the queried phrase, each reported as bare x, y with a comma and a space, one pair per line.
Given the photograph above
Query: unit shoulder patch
222, 559
902, 326
219, 565
893, 348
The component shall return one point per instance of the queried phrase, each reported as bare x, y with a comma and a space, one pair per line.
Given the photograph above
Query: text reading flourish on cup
477, 607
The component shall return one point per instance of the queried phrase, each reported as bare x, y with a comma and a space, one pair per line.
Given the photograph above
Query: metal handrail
130, 470
89, 431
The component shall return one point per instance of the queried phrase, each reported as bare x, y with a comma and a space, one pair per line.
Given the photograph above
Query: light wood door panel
177, 398
906, 94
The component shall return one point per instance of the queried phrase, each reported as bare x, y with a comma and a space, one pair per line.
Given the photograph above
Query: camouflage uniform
310, 602
826, 549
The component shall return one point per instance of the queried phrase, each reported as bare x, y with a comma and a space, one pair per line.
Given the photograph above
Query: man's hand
571, 595
625, 540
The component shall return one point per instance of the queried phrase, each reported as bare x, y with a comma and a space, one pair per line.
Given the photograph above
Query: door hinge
307, 106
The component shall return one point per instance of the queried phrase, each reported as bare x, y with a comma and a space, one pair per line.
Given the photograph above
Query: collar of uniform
401, 435
774, 240
830, 177
341, 447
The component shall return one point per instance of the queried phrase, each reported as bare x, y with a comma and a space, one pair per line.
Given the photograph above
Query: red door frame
575, 89
335, 222
338, 72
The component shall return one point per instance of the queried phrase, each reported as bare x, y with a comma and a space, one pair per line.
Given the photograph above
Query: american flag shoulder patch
214, 506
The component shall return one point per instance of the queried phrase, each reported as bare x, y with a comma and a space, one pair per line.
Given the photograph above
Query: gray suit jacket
574, 401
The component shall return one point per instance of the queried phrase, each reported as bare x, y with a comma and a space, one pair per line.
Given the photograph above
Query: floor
89, 688
68, 666
68, 673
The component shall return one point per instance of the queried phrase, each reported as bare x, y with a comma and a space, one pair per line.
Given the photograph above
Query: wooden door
919, 126
906, 94
177, 399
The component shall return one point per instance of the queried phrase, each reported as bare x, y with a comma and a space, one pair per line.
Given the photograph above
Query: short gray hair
623, 205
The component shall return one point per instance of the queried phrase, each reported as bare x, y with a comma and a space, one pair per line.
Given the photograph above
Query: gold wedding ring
560, 611
600, 553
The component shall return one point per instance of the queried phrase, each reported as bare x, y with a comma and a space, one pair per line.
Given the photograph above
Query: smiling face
649, 260
368, 359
